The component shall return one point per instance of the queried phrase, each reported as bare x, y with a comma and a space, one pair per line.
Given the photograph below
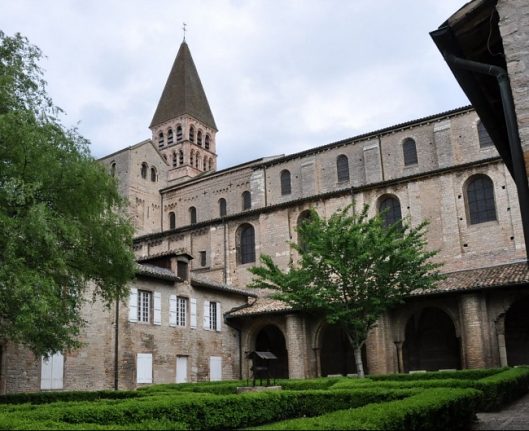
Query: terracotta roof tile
156, 272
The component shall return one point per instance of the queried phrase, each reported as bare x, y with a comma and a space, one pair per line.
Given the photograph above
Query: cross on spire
184, 25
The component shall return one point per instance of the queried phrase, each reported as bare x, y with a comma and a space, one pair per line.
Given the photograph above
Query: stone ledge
247, 389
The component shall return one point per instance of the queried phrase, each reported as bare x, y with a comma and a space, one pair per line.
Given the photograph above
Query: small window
181, 310
192, 134
170, 138
246, 200
202, 258
286, 188
222, 207
389, 207
160, 140
113, 169
205, 163
409, 150
213, 324
206, 144
197, 158
153, 174
480, 199
172, 220
144, 306
484, 138
342, 168
181, 157
182, 269
179, 134
175, 160
144, 169
210, 164
199, 138
246, 244
192, 215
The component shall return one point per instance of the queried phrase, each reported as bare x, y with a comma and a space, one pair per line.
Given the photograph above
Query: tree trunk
358, 360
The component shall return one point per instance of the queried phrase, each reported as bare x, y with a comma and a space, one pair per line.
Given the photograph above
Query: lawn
437, 400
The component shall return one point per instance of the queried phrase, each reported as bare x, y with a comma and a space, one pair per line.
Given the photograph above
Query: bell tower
183, 127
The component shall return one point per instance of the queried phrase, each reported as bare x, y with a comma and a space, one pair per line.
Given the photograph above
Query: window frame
246, 244
192, 215
181, 311
246, 200
286, 182
480, 203
145, 305
409, 152
388, 217
223, 207
342, 169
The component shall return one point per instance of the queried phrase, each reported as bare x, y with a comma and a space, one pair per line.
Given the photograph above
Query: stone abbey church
190, 316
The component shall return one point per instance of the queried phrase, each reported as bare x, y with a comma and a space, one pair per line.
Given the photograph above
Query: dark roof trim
156, 272
334, 193
209, 284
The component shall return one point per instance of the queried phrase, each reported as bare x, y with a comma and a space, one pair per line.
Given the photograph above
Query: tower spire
184, 25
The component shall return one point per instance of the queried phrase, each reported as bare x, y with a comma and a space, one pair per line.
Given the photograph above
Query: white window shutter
133, 305
45, 373
193, 312
144, 368
172, 310
206, 315
219, 317
157, 320
215, 368
57, 371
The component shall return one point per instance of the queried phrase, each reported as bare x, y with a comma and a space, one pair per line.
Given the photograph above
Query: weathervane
184, 28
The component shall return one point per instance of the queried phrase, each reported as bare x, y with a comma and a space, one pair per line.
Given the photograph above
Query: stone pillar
500, 332
400, 361
295, 340
474, 350
317, 352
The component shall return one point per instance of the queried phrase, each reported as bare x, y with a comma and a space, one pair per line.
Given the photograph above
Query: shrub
51, 397
459, 374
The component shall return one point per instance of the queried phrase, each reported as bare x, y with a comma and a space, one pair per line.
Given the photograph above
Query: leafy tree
61, 222
352, 269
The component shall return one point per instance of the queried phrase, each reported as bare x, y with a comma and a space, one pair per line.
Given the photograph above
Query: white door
52, 370
181, 369
215, 368
144, 368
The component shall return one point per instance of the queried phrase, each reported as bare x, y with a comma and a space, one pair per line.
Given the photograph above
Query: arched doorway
517, 333
430, 342
336, 353
271, 339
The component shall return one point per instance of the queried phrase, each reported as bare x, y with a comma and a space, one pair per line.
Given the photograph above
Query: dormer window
192, 134
206, 144
160, 140
182, 269
199, 138
170, 137
179, 134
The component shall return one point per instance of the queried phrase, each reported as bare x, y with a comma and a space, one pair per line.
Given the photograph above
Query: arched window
286, 188
197, 157
342, 168
170, 137
246, 200
245, 242
483, 135
409, 150
210, 164
175, 160
172, 220
179, 134
389, 207
480, 199
304, 217
192, 158
192, 134
181, 157
144, 169
206, 144
199, 138
153, 174
205, 163
192, 215
160, 140
222, 207
113, 169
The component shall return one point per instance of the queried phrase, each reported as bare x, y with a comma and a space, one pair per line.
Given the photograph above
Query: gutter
519, 172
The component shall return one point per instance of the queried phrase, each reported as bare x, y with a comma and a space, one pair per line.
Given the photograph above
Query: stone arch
269, 337
517, 332
430, 341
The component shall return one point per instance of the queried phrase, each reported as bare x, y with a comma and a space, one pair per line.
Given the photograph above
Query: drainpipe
520, 174
116, 348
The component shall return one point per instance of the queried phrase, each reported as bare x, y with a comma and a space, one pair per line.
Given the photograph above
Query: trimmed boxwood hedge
459, 374
432, 409
52, 397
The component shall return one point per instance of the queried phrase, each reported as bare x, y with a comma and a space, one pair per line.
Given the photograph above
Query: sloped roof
201, 281
156, 272
183, 93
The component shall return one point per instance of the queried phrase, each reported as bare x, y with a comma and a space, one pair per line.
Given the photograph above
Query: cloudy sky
281, 76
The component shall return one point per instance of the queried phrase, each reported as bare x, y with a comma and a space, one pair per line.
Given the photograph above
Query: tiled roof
163, 254
473, 279
156, 272
201, 281
183, 93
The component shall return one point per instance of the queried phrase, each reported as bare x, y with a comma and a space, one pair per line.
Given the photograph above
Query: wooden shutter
57, 372
133, 305
219, 317
193, 312
206, 315
157, 320
45, 373
172, 310
181, 369
215, 368
144, 368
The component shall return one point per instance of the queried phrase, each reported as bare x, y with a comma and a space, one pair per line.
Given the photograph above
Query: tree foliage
61, 222
352, 268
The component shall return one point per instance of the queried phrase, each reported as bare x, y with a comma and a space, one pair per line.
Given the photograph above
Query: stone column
472, 331
295, 340
400, 361
500, 332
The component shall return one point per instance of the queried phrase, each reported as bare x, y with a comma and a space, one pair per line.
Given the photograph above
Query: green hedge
51, 397
206, 412
432, 409
459, 374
